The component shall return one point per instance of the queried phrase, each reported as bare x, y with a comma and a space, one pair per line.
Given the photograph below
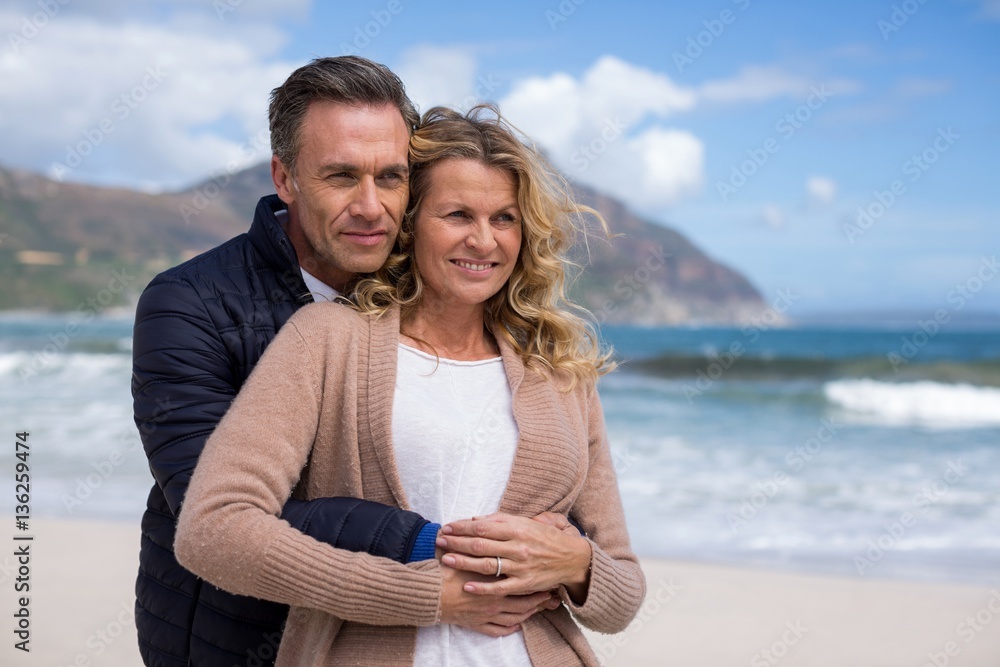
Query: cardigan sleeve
617, 584
229, 532
183, 381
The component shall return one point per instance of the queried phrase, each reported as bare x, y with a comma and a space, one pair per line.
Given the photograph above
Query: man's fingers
506, 616
553, 519
500, 587
525, 604
497, 630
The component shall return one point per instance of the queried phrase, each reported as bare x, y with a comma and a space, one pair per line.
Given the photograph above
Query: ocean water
855, 452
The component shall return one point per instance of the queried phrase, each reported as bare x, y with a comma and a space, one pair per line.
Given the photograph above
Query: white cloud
550, 110
617, 88
436, 75
671, 167
134, 102
754, 84
602, 130
80, 76
758, 84
773, 216
610, 127
215, 9
921, 87
820, 191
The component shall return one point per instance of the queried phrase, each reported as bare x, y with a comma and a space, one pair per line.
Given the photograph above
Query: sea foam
926, 403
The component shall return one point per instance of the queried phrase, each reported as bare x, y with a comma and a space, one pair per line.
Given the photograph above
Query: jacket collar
271, 241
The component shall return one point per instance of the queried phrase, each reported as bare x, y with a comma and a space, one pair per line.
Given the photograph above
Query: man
340, 129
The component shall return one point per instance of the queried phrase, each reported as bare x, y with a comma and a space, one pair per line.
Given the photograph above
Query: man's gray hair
347, 79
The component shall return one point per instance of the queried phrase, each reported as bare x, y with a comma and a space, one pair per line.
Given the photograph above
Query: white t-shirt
454, 439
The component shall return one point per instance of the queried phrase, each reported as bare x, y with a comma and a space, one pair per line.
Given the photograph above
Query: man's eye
392, 177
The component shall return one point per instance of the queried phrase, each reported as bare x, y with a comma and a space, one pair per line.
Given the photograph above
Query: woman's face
467, 232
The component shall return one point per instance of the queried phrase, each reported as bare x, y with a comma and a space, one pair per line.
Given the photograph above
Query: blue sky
757, 129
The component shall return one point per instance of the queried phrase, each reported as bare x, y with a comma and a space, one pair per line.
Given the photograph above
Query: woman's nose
481, 237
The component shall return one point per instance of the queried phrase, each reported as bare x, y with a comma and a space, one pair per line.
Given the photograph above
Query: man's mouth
366, 238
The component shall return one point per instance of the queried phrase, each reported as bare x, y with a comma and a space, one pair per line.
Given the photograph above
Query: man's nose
366, 203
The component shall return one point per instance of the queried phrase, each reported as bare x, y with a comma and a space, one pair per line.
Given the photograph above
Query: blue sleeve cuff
423, 548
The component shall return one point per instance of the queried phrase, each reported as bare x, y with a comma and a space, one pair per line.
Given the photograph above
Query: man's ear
283, 180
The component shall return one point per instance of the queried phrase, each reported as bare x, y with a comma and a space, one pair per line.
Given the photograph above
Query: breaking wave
926, 403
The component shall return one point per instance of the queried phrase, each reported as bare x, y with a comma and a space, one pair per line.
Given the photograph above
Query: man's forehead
326, 112
337, 133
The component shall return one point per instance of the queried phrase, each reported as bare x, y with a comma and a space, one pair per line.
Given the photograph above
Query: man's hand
492, 616
558, 521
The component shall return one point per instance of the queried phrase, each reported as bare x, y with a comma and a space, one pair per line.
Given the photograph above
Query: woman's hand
536, 554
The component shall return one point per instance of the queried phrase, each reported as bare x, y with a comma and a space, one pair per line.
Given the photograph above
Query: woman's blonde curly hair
531, 312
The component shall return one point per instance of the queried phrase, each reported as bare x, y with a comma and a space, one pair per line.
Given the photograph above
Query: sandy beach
82, 575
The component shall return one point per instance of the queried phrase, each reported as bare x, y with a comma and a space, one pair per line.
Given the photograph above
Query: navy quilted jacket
199, 330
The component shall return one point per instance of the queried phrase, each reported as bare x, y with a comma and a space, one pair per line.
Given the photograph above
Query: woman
458, 385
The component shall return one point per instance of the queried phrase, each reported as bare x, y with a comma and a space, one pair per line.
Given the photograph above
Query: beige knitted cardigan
314, 419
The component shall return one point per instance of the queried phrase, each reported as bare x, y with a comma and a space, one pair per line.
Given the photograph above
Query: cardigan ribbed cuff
423, 547
615, 593
354, 587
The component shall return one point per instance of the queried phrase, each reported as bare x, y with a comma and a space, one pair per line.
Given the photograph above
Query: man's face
348, 193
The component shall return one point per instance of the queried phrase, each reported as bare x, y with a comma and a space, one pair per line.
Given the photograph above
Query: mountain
65, 246
651, 274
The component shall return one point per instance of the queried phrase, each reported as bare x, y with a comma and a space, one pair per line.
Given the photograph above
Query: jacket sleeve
182, 384
230, 534
617, 584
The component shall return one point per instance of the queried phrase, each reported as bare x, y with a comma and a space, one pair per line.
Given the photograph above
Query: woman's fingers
497, 535
493, 527
476, 546
534, 554
502, 587
508, 584
486, 566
